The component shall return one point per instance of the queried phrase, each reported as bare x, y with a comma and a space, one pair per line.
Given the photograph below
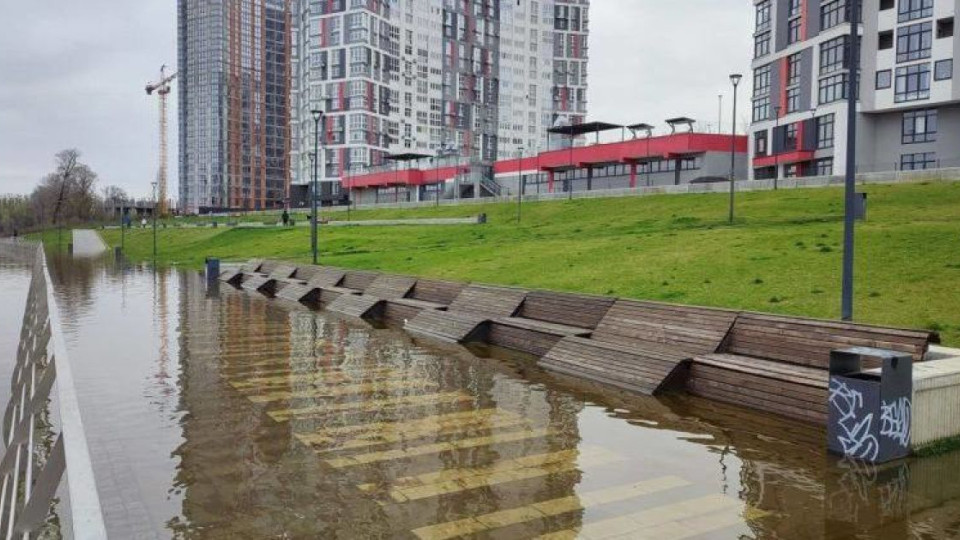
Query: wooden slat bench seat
809, 341
355, 305
390, 286
234, 276
646, 371
320, 276
780, 364
791, 390
427, 294
546, 317
472, 309
646, 344
358, 280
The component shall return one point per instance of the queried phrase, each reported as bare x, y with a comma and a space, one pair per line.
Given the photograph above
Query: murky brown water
222, 414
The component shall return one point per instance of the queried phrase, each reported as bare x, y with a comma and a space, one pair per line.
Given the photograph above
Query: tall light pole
314, 218
776, 156
735, 80
850, 183
520, 184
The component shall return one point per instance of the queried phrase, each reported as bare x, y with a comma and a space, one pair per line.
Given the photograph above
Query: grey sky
72, 75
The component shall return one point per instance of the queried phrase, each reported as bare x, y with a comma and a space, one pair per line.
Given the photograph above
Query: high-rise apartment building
234, 97
909, 108
476, 79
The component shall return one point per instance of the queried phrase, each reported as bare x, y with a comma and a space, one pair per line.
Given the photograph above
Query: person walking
286, 218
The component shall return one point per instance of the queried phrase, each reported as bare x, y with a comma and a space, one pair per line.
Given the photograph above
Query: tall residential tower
909, 108
234, 95
476, 79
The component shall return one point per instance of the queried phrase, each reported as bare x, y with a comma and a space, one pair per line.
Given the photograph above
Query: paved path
87, 243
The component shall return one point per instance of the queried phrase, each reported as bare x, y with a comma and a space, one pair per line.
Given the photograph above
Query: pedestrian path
87, 243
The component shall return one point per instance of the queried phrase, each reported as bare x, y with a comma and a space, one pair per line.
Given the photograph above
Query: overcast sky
72, 74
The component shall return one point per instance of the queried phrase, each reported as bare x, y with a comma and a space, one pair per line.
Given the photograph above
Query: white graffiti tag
856, 439
895, 420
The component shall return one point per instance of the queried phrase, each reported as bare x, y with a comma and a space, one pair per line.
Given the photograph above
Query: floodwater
223, 414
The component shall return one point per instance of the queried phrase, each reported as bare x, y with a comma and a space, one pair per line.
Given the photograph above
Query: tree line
67, 195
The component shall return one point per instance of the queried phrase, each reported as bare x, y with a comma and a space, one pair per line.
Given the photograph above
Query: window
823, 167
763, 16
885, 40
793, 99
832, 89
793, 31
760, 143
761, 81
914, 42
917, 162
789, 137
793, 69
915, 9
945, 28
943, 70
832, 13
761, 109
919, 126
884, 79
887, 4
913, 83
825, 125
833, 55
795, 6
761, 45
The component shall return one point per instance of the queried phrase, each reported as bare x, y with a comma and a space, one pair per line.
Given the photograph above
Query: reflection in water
218, 413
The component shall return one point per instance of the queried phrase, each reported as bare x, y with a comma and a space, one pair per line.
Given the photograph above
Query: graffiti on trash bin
895, 420
856, 425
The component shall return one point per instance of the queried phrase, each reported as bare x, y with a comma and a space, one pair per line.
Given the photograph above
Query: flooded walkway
87, 243
222, 414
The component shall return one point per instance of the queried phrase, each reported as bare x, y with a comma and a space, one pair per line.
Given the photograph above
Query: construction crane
162, 88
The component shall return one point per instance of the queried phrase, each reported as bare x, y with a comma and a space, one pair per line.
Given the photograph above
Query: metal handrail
31, 471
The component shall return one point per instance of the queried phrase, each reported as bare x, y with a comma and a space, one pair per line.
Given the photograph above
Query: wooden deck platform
469, 314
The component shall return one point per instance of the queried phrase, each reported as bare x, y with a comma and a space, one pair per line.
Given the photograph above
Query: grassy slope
782, 255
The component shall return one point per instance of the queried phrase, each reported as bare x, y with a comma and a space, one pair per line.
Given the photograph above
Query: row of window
788, 136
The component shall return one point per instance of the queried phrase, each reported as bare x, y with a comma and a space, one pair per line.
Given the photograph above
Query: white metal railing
36, 459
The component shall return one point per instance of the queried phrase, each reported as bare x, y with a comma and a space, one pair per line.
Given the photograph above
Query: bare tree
67, 194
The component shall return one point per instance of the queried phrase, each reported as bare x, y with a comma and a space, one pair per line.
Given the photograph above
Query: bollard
869, 410
213, 270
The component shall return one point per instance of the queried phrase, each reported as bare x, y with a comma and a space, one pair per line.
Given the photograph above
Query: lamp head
735, 78
317, 114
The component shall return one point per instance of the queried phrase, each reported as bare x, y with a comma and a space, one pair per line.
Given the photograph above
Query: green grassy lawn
782, 255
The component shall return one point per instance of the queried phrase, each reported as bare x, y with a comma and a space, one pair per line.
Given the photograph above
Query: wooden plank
690, 329
543, 327
525, 340
358, 279
360, 306
437, 291
294, 292
446, 326
399, 314
388, 286
253, 282
283, 271
327, 276
565, 309
636, 369
490, 301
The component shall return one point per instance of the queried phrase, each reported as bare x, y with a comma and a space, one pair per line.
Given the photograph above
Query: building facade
908, 116
234, 96
474, 80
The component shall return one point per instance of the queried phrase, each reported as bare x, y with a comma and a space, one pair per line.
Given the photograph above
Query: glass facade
234, 115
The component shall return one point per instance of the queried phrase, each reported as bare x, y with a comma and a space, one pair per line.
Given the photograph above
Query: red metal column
550, 181
633, 174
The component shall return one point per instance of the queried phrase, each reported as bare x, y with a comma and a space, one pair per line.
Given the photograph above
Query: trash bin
860, 207
869, 409
213, 270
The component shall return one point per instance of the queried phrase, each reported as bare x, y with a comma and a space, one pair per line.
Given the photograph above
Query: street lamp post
571, 175
773, 147
735, 80
314, 218
520, 183
850, 180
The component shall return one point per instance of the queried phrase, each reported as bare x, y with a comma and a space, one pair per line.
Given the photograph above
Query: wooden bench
780, 364
546, 317
641, 346
471, 310
370, 305
267, 282
233, 277
321, 276
427, 294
